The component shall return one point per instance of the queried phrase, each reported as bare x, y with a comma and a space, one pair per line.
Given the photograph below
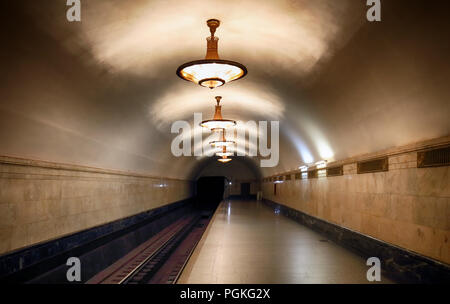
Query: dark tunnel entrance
210, 190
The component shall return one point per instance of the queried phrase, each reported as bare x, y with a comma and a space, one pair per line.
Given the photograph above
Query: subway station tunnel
357, 168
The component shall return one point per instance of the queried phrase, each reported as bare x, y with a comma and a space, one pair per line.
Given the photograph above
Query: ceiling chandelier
223, 143
224, 159
224, 152
212, 72
218, 122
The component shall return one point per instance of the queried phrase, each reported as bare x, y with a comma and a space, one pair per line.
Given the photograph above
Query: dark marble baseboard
242, 197
96, 247
397, 263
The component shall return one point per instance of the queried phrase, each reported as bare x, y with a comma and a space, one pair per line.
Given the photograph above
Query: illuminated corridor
255, 141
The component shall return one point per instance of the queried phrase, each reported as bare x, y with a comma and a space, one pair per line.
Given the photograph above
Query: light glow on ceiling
142, 37
242, 103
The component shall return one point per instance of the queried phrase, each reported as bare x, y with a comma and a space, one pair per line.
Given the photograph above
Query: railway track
160, 259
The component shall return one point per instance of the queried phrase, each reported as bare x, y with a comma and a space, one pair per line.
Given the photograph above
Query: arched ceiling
104, 92
241, 168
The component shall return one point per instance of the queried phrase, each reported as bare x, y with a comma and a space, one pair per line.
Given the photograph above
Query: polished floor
246, 242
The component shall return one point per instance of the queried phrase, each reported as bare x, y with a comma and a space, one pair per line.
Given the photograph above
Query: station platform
248, 243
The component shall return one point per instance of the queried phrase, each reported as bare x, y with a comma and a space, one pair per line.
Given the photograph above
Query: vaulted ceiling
103, 92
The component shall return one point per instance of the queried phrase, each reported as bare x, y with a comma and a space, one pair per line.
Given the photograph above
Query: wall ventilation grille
335, 171
312, 174
434, 158
374, 165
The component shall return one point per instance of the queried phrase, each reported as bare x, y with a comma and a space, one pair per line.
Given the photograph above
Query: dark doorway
210, 191
245, 189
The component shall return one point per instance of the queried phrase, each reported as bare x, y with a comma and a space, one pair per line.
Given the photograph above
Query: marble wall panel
405, 206
40, 202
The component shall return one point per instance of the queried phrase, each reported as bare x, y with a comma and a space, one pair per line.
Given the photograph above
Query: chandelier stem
213, 24
212, 41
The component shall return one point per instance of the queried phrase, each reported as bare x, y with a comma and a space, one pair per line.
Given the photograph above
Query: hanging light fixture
212, 72
223, 142
224, 152
218, 122
224, 159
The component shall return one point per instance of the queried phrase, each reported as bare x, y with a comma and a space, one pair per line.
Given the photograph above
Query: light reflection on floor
247, 242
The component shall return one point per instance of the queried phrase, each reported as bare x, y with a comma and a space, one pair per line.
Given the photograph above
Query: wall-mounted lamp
303, 168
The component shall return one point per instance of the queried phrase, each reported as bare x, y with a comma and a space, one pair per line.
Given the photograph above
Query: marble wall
40, 201
406, 206
235, 187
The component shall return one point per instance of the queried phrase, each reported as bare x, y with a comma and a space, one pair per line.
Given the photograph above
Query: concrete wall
40, 201
405, 206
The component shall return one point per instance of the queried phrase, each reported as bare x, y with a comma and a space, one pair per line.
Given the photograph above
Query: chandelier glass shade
218, 122
212, 72
224, 153
224, 159
223, 143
